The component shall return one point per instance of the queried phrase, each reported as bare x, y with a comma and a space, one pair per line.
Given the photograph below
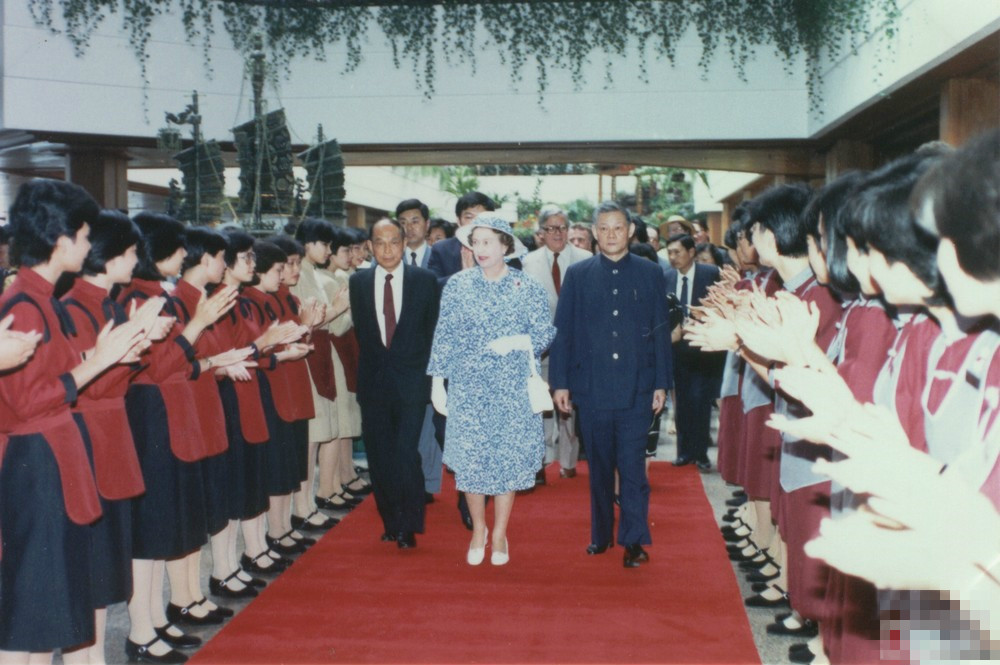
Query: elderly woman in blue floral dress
492, 317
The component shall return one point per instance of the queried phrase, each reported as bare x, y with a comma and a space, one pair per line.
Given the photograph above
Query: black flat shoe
808, 628
800, 653
755, 563
139, 653
304, 524
221, 587
182, 615
388, 537
736, 502
251, 565
756, 578
363, 490
255, 582
276, 545
730, 517
336, 502
682, 461
758, 600
406, 540
594, 548
177, 641
305, 541
634, 556
219, 610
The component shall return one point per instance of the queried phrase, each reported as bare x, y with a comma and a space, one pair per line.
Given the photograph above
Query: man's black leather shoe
634, 555
406, 541
703, 465
594, 548
388, 537
682, 461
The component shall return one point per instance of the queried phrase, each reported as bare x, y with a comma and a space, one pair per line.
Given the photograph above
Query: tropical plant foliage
544, 35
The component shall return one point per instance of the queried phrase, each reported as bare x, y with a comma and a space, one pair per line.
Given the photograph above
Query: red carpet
354, 599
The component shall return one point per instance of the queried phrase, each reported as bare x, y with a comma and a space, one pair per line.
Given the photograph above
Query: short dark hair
199, 241
413, 204
162, 236
289, 245
111, 234
644, 250
641, 234
444, 225
831, 204
342, 236
268, 254
779, 209
237, 241
964, 192
471, 200
610, 206
313, 229
882, 207
828, 200
686, 241
44, 211
386, 220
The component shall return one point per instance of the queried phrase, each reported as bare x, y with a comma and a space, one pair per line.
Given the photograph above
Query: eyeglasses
555, 229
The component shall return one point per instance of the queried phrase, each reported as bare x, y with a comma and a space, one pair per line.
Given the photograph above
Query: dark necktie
388, 311
684, 294
413, 258
556, 275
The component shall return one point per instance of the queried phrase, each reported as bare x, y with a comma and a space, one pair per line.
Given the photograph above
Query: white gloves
504, 345
439, 396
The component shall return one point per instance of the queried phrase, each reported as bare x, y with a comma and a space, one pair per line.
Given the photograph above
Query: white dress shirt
690, 284
408, 257
397, 294
563, 260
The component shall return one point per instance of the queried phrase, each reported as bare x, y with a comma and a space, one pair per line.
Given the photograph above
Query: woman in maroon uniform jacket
169, 520
294, 401
48, 494
113, 255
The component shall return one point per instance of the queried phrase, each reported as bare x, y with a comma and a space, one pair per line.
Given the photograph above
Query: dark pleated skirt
215, 474
46, 597
730, 438
282, 468
245, 461
111, 542
801, 512
169, 520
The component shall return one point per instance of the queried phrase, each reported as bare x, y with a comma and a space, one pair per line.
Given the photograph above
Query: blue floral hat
491, 220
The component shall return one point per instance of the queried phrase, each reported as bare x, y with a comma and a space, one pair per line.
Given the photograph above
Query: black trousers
616, 439
392, 435
695, 389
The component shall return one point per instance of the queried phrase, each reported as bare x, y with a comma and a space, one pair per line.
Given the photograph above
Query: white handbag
538, 389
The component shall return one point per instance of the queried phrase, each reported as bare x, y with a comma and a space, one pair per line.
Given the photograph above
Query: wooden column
102, 172
846, 155
968, 107
356, 216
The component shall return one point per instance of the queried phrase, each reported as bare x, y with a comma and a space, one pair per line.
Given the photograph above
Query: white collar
381, 272
690, 272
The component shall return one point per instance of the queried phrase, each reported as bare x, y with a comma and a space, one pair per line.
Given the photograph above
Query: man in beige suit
548, 265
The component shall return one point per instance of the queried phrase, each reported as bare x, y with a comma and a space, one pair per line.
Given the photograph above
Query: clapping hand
439, 396
714, 332
822, 392
210, 310
15, 346
729, 276
239, 371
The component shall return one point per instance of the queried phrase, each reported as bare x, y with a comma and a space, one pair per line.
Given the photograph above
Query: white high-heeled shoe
475, 555
500, 558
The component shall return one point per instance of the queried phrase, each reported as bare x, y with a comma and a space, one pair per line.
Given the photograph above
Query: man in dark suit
612, 356
395, 309
414, 216
448, 256
694, 371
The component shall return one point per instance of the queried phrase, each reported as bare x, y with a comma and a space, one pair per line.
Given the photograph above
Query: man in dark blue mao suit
611, 357
695, 373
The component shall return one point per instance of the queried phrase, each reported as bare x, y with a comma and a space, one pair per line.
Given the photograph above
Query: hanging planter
545, 35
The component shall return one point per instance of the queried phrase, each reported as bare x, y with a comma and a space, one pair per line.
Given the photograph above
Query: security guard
612, 356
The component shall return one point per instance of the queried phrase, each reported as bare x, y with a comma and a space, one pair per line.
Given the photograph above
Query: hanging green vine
548, 35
